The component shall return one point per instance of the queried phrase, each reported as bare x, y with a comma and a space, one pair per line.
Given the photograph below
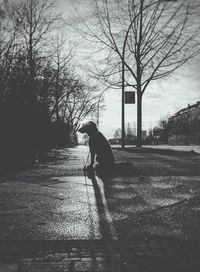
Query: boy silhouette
99, 147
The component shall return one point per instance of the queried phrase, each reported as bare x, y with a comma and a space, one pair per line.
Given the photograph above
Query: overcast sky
162, 98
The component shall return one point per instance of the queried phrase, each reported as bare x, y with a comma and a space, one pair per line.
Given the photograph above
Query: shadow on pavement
143, 250
106, 228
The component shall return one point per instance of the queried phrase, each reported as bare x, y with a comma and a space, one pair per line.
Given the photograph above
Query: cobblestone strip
77, 260
74, 259
140, 255
4, 267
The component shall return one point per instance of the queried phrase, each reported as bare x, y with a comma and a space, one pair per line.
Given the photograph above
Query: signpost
129, 97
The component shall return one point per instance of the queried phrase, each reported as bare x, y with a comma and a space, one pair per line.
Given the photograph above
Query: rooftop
188, 108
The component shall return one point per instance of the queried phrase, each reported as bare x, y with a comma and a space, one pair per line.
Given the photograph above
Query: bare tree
69, 99
117, 134
62, 73
146, 40
7, 48
33, 21
162, 129
81, 102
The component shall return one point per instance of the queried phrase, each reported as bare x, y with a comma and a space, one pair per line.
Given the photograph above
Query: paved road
185, 148
195, 148
56, 201
155, 209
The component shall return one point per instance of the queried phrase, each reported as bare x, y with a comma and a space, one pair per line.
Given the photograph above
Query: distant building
184, 126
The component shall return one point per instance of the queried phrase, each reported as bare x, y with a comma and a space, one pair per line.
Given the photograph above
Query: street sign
129, 97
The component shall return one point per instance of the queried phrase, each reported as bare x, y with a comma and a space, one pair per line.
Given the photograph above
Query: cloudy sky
162, 98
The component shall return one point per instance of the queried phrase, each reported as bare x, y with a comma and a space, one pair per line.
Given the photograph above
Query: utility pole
123, 104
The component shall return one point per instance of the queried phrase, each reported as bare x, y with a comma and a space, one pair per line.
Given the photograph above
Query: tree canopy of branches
144, 40
33, 21
42, 99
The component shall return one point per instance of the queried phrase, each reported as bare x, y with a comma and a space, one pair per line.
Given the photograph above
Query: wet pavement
54, 201
53, 218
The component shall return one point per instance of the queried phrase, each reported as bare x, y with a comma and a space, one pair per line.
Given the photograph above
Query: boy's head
88, 127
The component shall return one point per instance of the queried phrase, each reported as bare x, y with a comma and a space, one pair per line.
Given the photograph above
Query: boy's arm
92, 158
92, 151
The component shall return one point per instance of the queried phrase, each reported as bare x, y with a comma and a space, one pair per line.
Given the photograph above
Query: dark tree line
42, 100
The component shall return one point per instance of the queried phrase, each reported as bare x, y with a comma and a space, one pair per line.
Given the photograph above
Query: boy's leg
105, 169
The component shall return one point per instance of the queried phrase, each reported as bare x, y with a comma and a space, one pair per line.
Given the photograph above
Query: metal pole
123, 108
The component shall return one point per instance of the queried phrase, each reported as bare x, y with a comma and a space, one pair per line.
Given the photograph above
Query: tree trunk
33, 96
139, 119
57, 111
